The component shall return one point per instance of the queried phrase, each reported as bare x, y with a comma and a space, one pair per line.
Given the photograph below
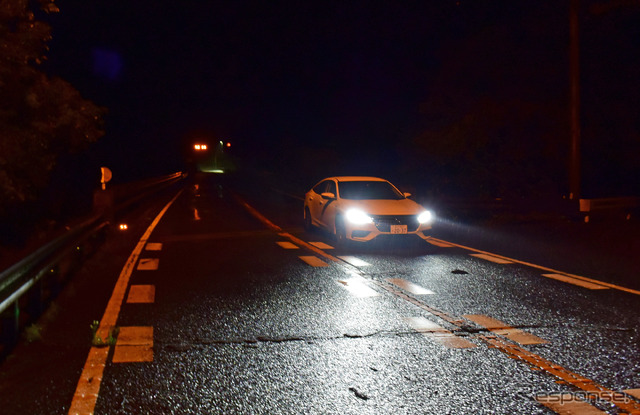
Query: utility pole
574, 63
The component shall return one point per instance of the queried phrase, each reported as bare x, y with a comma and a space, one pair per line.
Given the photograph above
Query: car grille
384, 222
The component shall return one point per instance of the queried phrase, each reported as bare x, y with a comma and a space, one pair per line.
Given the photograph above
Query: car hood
385, 207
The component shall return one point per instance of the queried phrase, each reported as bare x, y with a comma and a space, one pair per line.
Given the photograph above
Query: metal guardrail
32, 281
20, 277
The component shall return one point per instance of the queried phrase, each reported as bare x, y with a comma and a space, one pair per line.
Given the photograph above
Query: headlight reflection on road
360, 312
358, 287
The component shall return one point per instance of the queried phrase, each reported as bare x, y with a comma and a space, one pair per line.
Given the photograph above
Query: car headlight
425, 217
358, 217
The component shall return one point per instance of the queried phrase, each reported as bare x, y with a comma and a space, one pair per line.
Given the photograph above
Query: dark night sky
350, 74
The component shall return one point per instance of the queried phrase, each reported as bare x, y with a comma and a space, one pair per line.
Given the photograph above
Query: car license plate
398, 229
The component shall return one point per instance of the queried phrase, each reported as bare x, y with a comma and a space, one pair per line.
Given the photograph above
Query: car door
316, 202
328, 213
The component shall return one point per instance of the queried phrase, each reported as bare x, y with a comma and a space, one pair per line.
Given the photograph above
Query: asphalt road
227, 306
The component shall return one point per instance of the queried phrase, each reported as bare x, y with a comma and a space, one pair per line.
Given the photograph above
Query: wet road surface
233, 310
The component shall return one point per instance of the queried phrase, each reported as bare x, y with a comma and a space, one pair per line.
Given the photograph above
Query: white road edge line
86, 394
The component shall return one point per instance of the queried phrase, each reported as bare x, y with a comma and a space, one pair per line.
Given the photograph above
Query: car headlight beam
425, 217
358, 217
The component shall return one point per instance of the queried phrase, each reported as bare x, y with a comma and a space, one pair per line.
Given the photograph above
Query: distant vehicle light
425, 217
123, 227
358, 217
200, 147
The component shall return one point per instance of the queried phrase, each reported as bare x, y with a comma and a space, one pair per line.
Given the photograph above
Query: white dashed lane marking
134, 344
409, 286
313, 261
438, 333
287, 245
321, 245
154, 246
502, 329
492, 258
142, 294
148, 264
357, 287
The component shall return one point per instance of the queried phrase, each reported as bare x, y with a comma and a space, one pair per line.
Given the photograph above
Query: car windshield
364, 190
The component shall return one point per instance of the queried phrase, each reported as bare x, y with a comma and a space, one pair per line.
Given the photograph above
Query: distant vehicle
358, 208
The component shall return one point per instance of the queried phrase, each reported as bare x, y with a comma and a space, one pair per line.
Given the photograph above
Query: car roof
356, 179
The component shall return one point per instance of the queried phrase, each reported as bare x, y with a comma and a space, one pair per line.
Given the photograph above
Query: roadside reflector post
103, 197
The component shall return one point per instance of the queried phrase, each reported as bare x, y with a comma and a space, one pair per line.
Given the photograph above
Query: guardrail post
104, 203
36, 299
10, 327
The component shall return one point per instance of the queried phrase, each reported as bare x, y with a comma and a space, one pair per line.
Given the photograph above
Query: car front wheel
307, 220
341, 232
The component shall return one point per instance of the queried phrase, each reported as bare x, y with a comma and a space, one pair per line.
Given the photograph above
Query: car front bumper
387, 225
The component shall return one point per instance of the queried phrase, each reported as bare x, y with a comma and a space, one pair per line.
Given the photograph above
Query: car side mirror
407, 195
328, 195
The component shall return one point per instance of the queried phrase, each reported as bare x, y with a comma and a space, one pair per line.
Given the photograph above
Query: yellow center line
560, 372
409, 286
574, 281
551, 270
567, 404
498, 327
508, 347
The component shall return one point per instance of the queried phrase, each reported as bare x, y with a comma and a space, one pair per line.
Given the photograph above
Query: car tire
341, 232
308, 225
